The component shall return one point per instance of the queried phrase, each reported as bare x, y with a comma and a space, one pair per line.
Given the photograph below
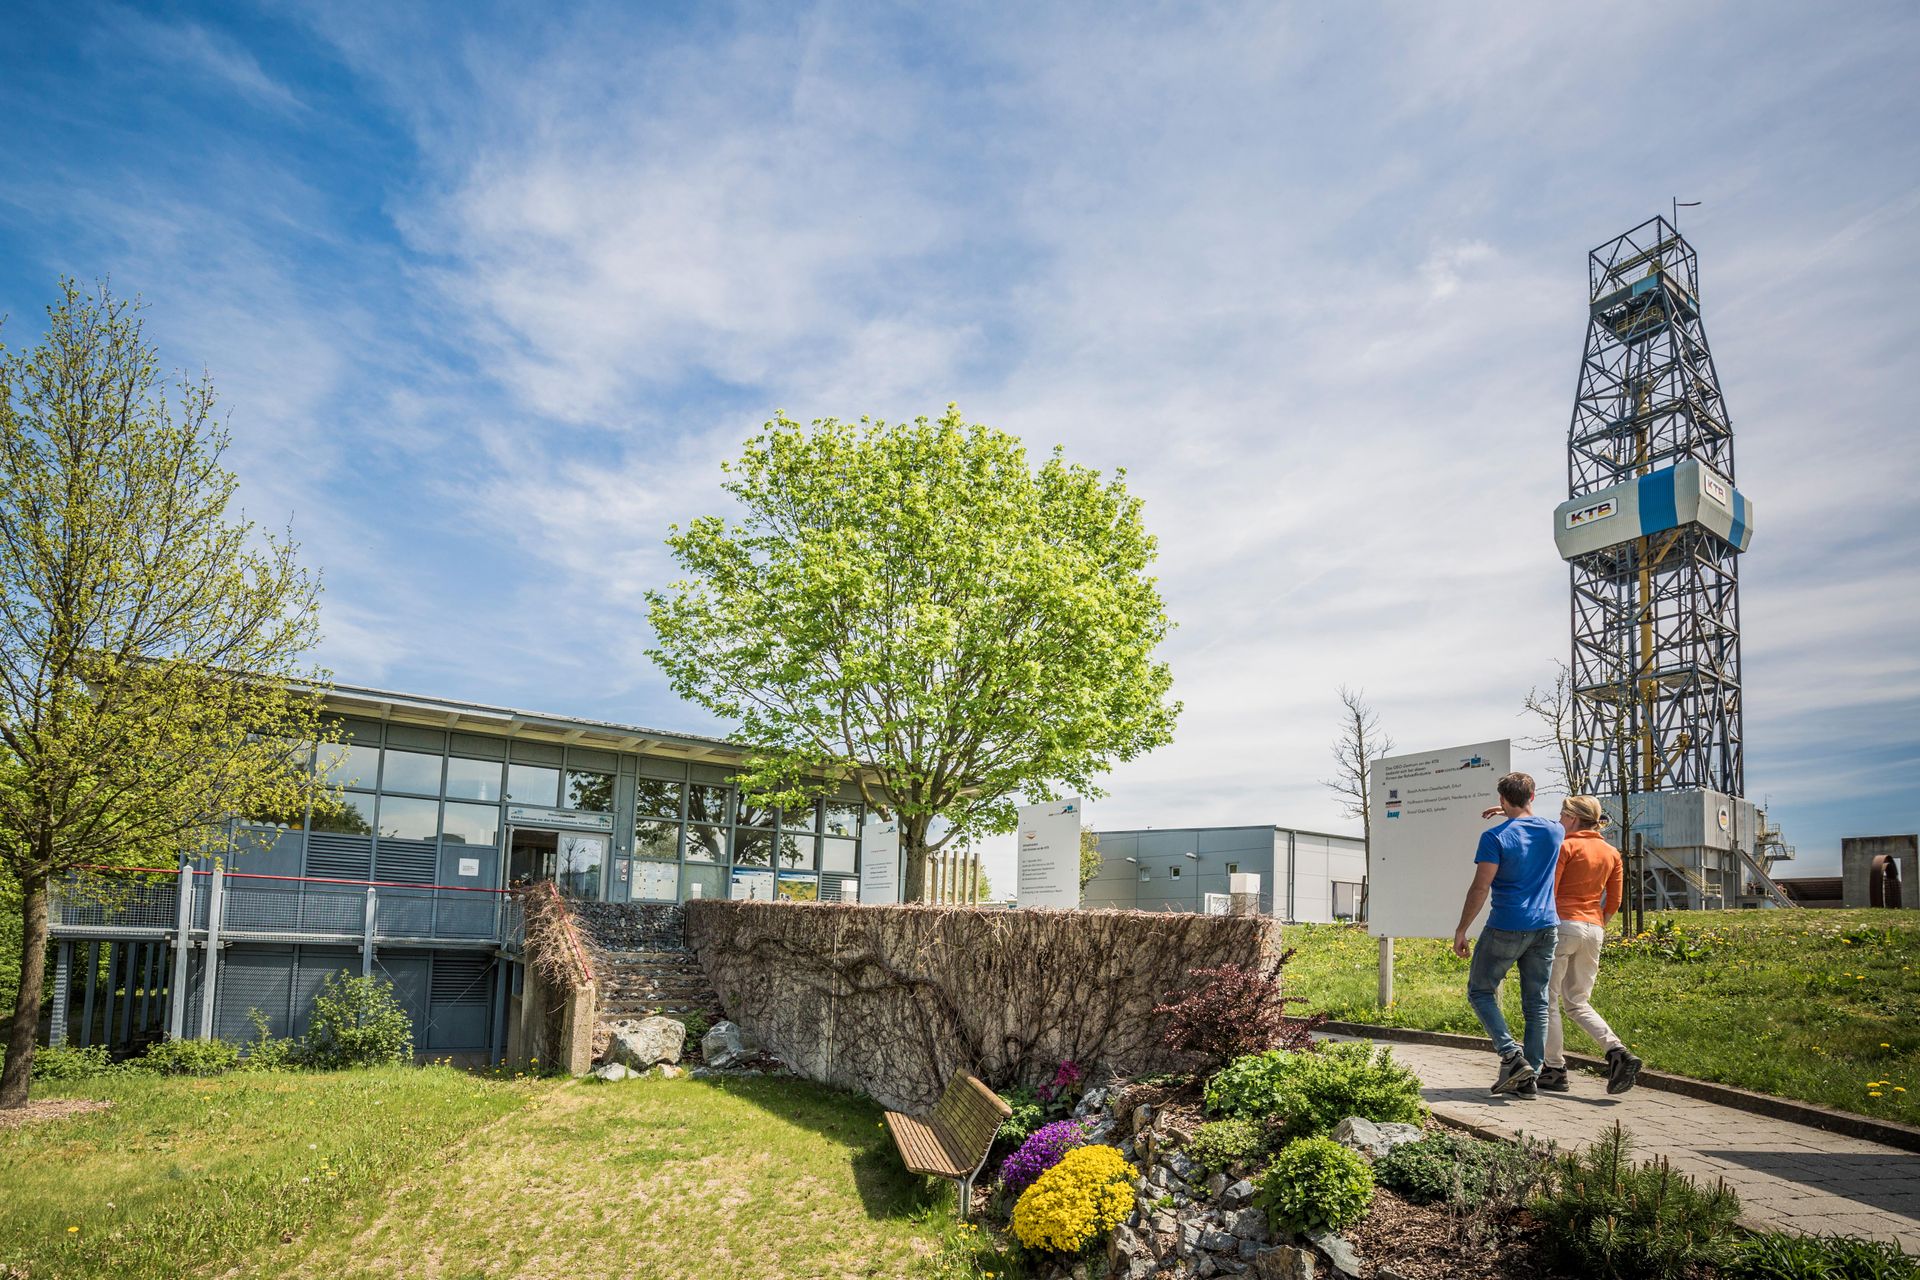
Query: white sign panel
880, 863
469, 866
1049, 844
659, 882
1426, 825
751, 886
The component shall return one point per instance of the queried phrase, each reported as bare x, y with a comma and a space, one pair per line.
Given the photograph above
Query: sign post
1049, 843
880, 863
1426, 824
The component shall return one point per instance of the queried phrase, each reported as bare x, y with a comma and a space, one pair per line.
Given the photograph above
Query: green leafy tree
149, 644
1090, 860
914, 607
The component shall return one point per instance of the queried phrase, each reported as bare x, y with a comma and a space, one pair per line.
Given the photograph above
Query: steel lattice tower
1656, 613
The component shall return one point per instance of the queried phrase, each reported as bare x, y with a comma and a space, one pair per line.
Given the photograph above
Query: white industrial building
1305, 876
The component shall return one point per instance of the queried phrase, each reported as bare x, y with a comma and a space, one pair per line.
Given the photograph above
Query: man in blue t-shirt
1516, 863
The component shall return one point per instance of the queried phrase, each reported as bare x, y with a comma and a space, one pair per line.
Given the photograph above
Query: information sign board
880, 863
1426, 824
1049, 844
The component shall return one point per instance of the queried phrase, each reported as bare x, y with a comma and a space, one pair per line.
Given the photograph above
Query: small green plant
1027, 1115
188, 1058
268, 1052
1612, 1219
1775, 1256
1315, 1184
61, 1062
1218, 1145
1312, 1092
1462, 1171
357, 1022
696, 1025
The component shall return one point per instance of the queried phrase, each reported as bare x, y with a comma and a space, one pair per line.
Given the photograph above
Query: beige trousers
1576, 963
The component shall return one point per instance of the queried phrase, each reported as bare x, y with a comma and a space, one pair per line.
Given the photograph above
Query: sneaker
1514, 1072
1622, 1070
1553, 1080
1525, 1092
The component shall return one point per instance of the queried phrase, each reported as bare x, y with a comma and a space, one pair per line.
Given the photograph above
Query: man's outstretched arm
1483, 874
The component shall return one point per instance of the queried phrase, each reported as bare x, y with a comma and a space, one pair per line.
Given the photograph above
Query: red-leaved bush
1231, 1011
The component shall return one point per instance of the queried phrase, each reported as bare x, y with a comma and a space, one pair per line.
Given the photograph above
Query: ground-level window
1346, 900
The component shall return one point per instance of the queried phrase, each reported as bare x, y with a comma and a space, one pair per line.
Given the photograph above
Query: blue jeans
1497, 951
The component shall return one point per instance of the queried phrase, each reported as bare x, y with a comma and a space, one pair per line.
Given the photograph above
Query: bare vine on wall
893, 1000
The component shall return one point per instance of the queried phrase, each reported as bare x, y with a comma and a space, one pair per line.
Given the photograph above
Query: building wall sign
1426, 825
1049, 843
880, 863
527, 815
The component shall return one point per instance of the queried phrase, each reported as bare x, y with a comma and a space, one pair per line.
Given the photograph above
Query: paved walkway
1788, 1175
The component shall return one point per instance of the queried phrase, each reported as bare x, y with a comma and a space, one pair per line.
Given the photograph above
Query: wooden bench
953, 1141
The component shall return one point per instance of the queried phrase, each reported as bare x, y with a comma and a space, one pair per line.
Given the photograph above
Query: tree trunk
26, 1011
913, 852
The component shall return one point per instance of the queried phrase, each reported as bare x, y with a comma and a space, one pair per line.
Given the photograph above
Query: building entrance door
573, 860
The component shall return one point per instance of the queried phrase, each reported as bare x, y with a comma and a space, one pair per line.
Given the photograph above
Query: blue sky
488, 296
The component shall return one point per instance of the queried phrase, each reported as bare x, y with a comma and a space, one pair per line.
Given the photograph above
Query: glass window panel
753, 813
653, 798
533, 784
402, 819
471, 824
753, 848
579, 864
706, 844
655, 881
805, 818
707, 803
656, 839
589, 792
843, 818
349, 813
702, 882
796, 851
473, 779
836, 855
413, 771
345, 764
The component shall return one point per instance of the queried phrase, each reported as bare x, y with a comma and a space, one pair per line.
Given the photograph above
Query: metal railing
146, 902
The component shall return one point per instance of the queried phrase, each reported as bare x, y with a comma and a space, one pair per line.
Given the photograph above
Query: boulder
1142, 1116
1092, 1100
1237, 1194
612, 1071
644, 1043
1128, 1254
667, 1071
1338, 1252
1216, 1186
1249, 1224
1285, 1263
727, 1045
1374, 1139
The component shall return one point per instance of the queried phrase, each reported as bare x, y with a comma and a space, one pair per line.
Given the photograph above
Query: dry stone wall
893, 1000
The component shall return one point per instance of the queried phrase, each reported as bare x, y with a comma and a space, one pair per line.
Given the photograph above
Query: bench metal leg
966, 1195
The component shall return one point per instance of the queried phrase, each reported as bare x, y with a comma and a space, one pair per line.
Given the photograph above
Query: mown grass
1823, 1006
181, 1174
660, 1178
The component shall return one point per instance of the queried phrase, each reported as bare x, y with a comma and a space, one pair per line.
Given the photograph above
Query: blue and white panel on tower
1690, 493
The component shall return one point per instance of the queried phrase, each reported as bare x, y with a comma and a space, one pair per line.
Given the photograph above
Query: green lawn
431, 1172
1823, 1006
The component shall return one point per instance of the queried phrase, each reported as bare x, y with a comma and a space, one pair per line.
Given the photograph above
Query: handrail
566, 923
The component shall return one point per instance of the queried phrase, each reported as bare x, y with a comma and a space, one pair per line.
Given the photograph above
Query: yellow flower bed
1070, 1205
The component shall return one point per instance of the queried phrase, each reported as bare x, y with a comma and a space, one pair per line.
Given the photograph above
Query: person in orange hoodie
1587, 891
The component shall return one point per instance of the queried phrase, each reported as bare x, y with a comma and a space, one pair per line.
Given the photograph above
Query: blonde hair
1586, 810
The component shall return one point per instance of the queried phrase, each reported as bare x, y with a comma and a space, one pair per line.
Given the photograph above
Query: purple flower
1040, 1152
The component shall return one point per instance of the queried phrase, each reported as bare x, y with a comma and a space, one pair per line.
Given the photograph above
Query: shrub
696, 1025
188, 1058
1059, 1095
357, 1023
1462, 1171
57, 1062
1783, 1257
1312, 1092
1076, 1202
268, 1052
1232, 1011
1220, 1144
1039, 1153
1315, 1184
1026, 1116
1610, 1218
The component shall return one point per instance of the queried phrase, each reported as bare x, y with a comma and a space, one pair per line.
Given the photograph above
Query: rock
1189, 1238
1387, 1273
1238, 1194
1338, 1252
668, 1071
650, 1040
1248, 1224
1182, 1165
726, 1045
1101, 1133
1124, 1248
1374, 1139
1162, 1222
1285, 1263
1203, 1267
1142, 1116
1091, 1101
1218, 1242
612, 1071
1216, 1185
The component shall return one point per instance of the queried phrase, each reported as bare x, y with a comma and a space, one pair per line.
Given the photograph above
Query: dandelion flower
72, 1229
